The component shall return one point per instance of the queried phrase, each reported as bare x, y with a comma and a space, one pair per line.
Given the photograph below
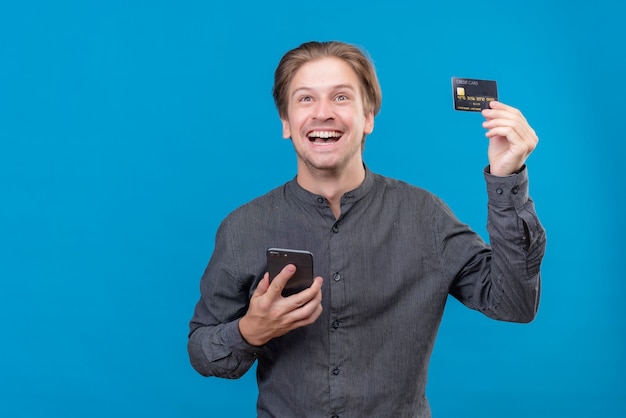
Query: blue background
129, 129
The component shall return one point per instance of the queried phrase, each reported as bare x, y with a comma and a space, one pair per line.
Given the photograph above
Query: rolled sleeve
221, 351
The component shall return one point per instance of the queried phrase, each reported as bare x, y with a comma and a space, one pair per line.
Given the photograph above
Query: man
357, 342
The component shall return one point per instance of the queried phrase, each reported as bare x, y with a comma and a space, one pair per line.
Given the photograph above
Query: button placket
337, 355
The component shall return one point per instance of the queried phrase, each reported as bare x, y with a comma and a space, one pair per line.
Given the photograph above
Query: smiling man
357, 342
327, 123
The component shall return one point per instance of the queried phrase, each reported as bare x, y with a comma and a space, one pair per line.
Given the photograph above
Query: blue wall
129, 129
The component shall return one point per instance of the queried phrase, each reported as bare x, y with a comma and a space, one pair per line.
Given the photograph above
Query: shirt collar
349, 197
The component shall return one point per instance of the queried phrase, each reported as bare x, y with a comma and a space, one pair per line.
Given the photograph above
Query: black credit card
473, 95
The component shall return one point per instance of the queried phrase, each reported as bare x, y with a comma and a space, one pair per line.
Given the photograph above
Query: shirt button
320, 200
499, 190
336, 277
335, 229
515, 189
335, 371
335, 324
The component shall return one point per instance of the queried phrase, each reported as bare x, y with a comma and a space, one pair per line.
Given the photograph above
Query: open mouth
324, 137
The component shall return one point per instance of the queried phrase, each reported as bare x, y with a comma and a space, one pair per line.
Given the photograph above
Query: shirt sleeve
503, 279
215, 345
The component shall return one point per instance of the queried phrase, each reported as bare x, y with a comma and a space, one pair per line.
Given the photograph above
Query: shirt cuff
508, 191
233, 338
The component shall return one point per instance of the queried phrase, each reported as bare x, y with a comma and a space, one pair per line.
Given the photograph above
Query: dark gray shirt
388, 262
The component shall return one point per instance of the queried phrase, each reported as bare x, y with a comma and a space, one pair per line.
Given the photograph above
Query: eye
305, 99
341, 98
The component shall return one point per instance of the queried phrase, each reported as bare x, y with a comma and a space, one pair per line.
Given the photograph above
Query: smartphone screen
278, 258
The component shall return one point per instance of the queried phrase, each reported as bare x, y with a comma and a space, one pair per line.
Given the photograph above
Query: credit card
473, 95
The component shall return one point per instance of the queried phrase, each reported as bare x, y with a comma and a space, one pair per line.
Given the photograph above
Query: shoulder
403, 190
259, 206
410, 200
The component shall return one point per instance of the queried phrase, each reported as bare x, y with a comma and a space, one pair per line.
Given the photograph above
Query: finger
507, 128
307, 312
312, 317
503, 142
278, 283
505, 133
514, 134
516, 124
501, 110
496, 105
317, 283
263, 285
504, 112
306, 295
494, 117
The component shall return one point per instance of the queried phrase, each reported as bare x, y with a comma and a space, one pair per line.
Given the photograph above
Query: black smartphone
278, 258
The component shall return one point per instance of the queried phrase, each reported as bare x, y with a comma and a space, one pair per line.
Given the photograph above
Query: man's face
325, 117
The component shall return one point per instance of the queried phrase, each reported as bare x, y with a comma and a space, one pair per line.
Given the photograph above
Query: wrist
247, 332
499, 172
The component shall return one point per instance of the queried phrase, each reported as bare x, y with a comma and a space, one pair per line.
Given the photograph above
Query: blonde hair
352, 55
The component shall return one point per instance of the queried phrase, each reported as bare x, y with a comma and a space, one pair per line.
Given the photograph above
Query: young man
357, 342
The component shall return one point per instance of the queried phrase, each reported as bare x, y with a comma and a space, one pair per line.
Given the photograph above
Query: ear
368, 127
286, 128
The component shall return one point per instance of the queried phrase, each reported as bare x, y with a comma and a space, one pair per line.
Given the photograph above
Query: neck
332, 184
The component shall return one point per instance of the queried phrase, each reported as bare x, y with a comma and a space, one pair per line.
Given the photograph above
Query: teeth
325, 134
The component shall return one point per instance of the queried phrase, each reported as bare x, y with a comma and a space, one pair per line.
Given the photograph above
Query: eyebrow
337, 87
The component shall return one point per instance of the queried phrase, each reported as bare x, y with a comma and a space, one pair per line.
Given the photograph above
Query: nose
323, 110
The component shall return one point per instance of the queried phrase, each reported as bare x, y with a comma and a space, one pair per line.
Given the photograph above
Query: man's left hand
511, 139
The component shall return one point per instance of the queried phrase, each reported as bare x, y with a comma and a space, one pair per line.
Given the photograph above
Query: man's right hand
271, 315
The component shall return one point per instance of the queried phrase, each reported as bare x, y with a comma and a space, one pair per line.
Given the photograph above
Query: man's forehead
325, 72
